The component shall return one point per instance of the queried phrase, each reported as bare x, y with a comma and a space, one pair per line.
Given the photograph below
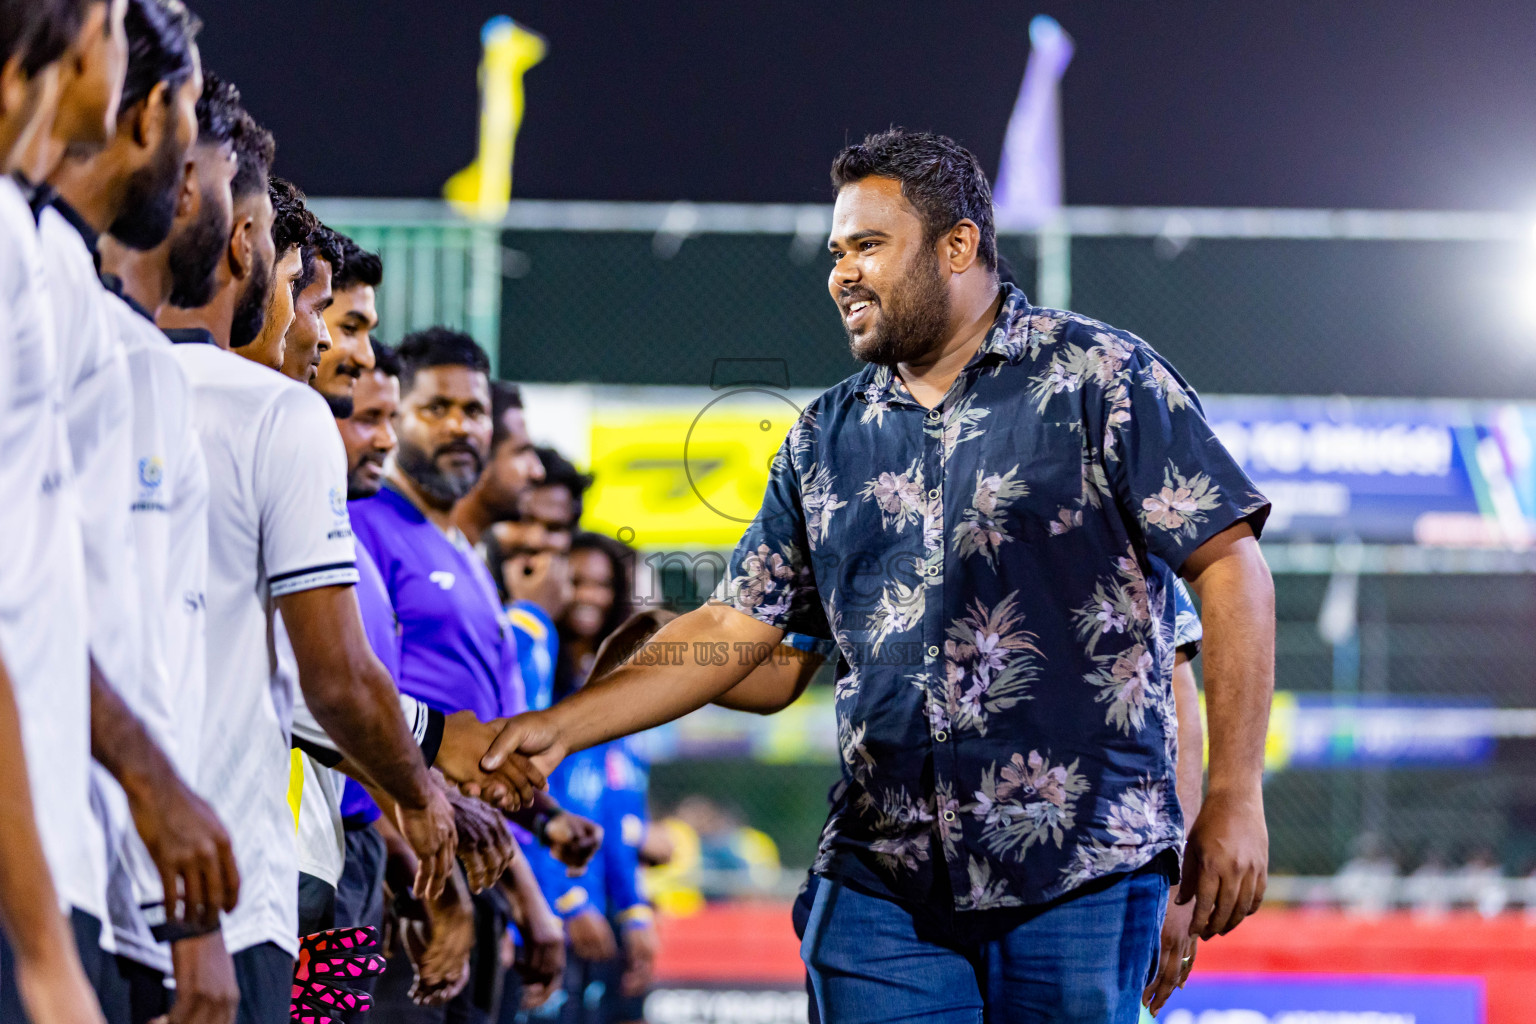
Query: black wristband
172, 931
433, 740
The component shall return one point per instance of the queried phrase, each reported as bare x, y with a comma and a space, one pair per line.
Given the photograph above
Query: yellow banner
675, 477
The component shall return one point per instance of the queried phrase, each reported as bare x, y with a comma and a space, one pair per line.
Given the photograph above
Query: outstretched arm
1227, 855
675, 672
353, 698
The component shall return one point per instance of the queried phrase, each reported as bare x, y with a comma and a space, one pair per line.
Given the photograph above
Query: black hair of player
385, 359
942, 180
38, 31
560, 471
505, 396
292, 223
438, 346
160, 49
358, 267
322, 244
255, 149
218, 111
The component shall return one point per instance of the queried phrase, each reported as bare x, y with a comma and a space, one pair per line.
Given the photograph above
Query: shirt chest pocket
1016, 485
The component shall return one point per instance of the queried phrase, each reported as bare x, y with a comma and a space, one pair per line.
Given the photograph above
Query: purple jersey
383, 632
457, 651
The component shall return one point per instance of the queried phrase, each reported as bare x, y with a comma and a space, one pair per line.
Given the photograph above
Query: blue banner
1337, 999
1446, 473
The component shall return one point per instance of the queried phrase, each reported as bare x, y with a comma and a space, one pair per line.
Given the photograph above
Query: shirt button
934, 493
949, 815
933, 651
940, 736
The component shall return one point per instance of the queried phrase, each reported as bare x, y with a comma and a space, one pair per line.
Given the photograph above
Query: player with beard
131, 187
968, 425
353, 315
39, 962
120, 180
170, 509
456, 648
278, 541
292, 225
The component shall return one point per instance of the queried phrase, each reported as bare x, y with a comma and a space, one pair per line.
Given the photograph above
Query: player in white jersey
38, 959
42, 576
279, 540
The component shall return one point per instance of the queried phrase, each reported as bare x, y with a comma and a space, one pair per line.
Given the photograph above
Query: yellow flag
483, 189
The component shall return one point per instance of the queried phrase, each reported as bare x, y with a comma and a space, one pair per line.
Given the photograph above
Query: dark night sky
1372, 103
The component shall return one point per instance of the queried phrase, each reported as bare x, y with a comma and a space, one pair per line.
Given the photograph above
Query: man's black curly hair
939, 177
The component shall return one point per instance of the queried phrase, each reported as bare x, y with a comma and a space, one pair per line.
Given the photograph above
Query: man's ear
241, 247
13, 87
152, 119
188, 197
962, 246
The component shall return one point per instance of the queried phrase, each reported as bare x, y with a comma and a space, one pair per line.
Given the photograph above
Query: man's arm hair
1237, 599
350, 692
665, 679
776, 682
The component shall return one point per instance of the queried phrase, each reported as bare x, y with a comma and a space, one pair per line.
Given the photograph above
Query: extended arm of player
353, 698
661, 683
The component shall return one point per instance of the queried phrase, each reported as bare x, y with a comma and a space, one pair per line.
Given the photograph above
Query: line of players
192, 642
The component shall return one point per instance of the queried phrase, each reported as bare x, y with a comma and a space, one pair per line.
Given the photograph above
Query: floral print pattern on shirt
998, 576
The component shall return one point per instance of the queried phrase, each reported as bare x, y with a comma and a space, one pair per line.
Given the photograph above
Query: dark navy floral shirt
998, 576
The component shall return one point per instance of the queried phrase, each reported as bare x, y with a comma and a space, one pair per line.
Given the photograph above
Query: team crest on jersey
338, 502
151, 471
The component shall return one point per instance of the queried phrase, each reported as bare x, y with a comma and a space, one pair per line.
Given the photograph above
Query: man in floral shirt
987, 520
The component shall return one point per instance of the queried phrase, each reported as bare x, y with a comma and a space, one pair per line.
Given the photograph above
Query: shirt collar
880, 386
191, 336
89, 235
37, 196
114, 284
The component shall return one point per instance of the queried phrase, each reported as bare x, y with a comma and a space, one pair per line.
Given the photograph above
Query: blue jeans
1083, 959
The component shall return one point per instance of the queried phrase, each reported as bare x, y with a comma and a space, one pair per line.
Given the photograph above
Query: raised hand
509, 787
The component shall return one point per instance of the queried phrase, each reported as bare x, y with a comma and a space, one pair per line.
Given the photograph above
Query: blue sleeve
537, 644
571, 786
624, 815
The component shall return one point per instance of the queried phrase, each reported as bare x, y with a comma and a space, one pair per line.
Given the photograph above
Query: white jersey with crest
169, 513
43, 612
277, 525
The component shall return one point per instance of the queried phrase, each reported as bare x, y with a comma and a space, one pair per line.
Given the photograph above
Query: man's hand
1226, 862
465, 741
640, 947
532, 735
543, 578
206, 992
486, 848
188, 844
432, 836
543, 965
573, 840
54, 990
592, 936
1176, 957
439, 947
